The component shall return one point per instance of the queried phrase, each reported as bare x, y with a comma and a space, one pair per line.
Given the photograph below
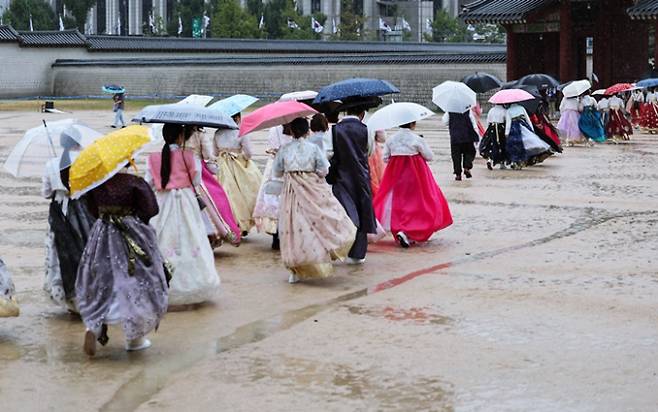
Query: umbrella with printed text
199, 100
185, 114
274, 114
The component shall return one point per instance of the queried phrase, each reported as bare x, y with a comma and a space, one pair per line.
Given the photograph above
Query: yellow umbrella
104, 158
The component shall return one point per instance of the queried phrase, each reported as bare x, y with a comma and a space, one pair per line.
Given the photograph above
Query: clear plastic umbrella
43, 143
234, 104
199, 100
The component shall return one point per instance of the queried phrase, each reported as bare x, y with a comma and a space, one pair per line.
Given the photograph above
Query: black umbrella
539, 80
510, 85
482, 82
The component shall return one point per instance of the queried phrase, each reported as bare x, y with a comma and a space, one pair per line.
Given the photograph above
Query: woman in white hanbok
179, 225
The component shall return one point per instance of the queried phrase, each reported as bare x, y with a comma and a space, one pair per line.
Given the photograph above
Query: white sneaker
352, 261
138, 344
293, 279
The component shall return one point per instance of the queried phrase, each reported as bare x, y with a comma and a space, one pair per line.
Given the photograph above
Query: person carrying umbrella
119, 104
492, 145
314, 229
122, 277
618, 127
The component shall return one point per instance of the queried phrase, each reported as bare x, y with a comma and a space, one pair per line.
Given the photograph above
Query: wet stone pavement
541, 296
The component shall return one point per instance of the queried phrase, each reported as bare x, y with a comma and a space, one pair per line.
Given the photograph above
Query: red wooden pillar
566, 51
512, 54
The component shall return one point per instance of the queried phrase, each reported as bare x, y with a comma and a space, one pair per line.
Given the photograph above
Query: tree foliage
79, 9
446, 28
231, 21
187, 10
18, 15
351, 25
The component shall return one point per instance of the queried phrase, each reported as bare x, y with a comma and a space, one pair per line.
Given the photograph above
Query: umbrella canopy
113, 89
198, 100
298, 96
618, 88
397, 114
40, 144
509, 96
599, 92
514, 84
647, 83
576, 88
482, 82
274, 114
104, 158
234, 104
453, 97
357, 87
186, 114
539, 80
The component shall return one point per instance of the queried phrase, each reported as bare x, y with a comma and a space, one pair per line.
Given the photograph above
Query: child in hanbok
69, 224
492, 145
618, 127
314, 228
590, 123
179, 225
410, 203
523, 146
122, 277
266, 211
8, 303
568, 123
238, 174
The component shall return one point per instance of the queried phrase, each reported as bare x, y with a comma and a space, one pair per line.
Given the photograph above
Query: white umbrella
198, 100
297, 96
43, 143
576, 88
396, 114
599, 92
185, 114
455, 97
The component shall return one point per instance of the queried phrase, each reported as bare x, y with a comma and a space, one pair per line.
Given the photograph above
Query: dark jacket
461, 128
349, 174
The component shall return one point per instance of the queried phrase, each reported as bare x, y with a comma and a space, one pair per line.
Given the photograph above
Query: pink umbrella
274, 114
508, 96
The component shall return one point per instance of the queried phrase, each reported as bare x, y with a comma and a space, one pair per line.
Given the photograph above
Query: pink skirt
221, 206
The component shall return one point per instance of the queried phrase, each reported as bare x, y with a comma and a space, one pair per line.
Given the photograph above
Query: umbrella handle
50, 140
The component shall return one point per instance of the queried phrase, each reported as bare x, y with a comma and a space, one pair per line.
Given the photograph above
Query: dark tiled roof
644, 9
300, 60
66, 38
502, 11
7, 33
158, 44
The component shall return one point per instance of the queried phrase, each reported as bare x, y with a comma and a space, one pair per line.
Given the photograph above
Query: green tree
18, 15
351, 23
231, 21
489, 33
187, 10
448, 29
79, 10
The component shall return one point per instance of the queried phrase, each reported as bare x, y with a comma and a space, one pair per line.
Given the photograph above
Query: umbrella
482, 82
198, 100
113, 89
618, 88
396, 114
539, 80
599, 92
514, 84
453, 97
234, 104
298, 96
576, 88
186, 114
357, 87
563, 85
509, 96
40, 144
647, 83
104, 158
274, 114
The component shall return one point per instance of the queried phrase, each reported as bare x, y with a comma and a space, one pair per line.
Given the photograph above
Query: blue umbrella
352, 88
646, 83
113, 88
234, 104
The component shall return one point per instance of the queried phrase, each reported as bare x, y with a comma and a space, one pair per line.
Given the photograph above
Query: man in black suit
350, 178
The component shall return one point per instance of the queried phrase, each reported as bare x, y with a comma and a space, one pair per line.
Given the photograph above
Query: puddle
422, 315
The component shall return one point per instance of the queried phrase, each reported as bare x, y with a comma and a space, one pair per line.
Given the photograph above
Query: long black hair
170, 132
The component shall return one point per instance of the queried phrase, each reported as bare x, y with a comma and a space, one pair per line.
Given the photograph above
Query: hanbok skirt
121, 279
524, 146
618, 126
8, 304
241, 180
376, 166
218, 211
636, 113
314, 228
492, 145
651, 117
644, 111
568, 125
65, 242
266, 211
410, 200
546, 132
590, 124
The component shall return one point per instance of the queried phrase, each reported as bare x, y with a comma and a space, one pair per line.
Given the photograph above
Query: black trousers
462, 154
360, 246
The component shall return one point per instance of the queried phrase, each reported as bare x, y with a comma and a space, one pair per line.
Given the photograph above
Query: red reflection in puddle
406, 278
